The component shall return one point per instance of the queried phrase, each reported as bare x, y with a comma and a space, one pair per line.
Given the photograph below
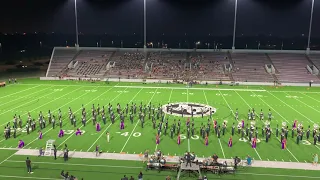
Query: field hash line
205, 96
137, 121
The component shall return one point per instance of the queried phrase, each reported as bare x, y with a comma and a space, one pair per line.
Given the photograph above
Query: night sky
283, 18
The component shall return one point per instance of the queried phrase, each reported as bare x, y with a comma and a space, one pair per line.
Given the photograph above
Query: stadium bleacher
183, 65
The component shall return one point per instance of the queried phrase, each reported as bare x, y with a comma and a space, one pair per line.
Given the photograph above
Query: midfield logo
188, 109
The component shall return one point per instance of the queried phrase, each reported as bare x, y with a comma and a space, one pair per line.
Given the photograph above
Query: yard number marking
122, 91
136, 134
257, 95
220, 94
56, 90
183, 136
90, 90
153, 92
293, 97
305, 142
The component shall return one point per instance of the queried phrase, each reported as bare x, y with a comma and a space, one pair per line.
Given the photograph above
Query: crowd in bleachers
167, 65
128, 64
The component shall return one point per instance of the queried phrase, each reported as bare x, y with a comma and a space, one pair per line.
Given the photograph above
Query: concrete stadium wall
164, 81
193, 50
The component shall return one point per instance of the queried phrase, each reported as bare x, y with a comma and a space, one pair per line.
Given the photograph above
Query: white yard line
165, 115
7, 102
191, 110
28, 102
137, 122
19, 91
44, 105
283, 119
224, 156
56, 110
305, 104
7, 158
110, 123
65, 105
90, 118
292, 108
310, 97
250, 108
226, 103
38, 106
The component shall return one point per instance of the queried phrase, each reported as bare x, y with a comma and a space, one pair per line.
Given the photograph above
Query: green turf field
286, 104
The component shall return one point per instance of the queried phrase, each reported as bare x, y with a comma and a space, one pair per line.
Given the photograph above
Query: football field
286, 104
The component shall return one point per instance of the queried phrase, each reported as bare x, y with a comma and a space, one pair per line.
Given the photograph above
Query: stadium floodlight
234, 24
310, 27
144, 25
76, 18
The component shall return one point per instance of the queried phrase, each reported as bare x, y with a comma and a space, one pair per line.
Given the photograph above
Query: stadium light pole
76, 17
144, 25
234, 24
310, 27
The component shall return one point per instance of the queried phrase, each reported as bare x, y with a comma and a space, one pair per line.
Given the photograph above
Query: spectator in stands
140, 176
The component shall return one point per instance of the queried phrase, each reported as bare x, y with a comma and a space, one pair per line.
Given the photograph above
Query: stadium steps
268, 57
76, 55
311, 62
230, 59
274, 77
231, 77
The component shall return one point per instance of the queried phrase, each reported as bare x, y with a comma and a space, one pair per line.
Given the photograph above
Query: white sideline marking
24, 177
137, 120
71, 164
279, 175
213, 89
19, 91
